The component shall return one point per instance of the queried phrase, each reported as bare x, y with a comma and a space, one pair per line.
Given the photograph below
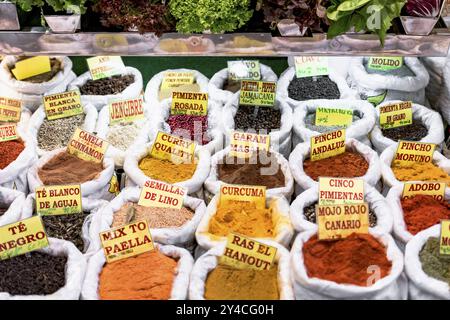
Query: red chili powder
9, 151
422, 211
346, 260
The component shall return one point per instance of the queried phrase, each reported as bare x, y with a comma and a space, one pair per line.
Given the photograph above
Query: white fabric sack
401, 233
13, 201
180, 284
422, 286
14, 176
392, 287
39, 116
407, 88
358, 129
152, 89
31, 94
135, 176
282, 230
218, 80
182, 236
435, 67
377, 203
444, 99
335, 76
103, 128
92, 206
212, 184
302, 152
75, 270
388, 155
94, 189
98, 101
277, 137
209, 261
214, 134
429, 118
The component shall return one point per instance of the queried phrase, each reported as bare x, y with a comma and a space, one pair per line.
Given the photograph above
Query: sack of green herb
426, 268
427, 127
30, 91
407, 83
221, 88
11, 202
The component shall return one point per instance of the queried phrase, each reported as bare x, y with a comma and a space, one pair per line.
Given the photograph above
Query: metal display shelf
244, 44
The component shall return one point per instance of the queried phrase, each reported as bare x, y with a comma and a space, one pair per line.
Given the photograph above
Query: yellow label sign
162, 195
408, 152
128, 110
243, 144
105, 66
245, 253
63, 105
235, 192
385, 63
257, 93
334, 191
8, 132
175, 79
173, 148
31, 67
333, 117
340, 221
190, 103
10, 109
244, 70
126, 241
22, 237
327, 145
396, 115
444, 244
434, 189
58, 200
87, 146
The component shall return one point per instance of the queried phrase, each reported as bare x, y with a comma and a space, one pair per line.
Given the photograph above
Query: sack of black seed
11, 202
221, 88
303, 210
295, 90
275, 121
155, 92
52, 273
74, 227
49, 135
427, 127
30, 91
406, 83
100, 92
305, 119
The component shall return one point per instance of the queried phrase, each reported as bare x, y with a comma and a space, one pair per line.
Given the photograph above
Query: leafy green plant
75, 6
213, 15
374, 16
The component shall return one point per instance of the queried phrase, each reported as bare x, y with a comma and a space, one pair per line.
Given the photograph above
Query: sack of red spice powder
209, 261
394, 286
179, 287
420, 285
12, 201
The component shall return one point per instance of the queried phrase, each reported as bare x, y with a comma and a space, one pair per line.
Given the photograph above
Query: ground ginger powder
228, 283
419, 171
167, 171
244, 218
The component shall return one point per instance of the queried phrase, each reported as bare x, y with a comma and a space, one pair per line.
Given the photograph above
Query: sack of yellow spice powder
136, 177
179, 287
210, 260
182, 236
421, 286
441, 166
248, 221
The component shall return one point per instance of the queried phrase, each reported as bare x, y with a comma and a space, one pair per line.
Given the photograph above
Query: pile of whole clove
105, 86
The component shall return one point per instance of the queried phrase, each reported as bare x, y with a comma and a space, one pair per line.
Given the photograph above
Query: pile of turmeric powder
167, 171
419, 171
244, 218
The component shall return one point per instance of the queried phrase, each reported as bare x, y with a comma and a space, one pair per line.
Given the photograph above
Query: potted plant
422, 16
9, 19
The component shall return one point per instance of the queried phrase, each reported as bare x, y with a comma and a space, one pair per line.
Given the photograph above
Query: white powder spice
123, 135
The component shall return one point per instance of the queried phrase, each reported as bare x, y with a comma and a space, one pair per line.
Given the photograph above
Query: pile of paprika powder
9, 151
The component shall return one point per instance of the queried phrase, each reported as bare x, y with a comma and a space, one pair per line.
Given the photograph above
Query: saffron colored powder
9, 151
419, 171
167, 171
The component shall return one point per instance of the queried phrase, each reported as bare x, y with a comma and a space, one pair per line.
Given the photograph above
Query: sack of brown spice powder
11, 202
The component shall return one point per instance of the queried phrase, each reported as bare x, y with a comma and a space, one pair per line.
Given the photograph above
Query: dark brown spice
2, 211
413, 132
232, 86
257, 118
113, 85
